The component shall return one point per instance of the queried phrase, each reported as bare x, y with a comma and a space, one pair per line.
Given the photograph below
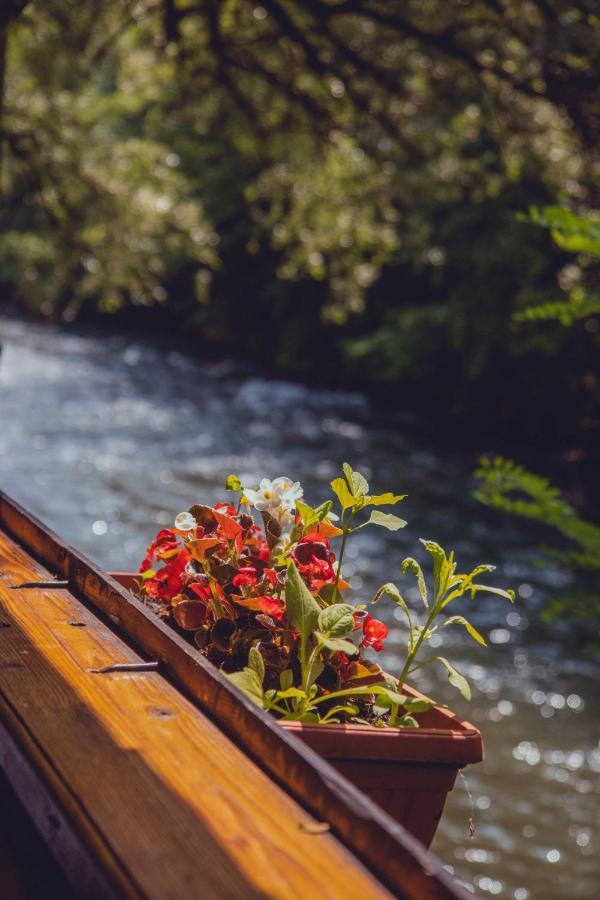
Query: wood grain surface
172, 806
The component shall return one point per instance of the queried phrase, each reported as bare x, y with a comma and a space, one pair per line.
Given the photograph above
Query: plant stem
280, 709
347, 692
409, 659
341, 556
216, 603
307, 676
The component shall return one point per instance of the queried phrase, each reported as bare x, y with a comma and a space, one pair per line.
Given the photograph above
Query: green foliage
448, 587
578, 306
508, 487
327, 186
574, 234
302, 608
386, 520
324, 637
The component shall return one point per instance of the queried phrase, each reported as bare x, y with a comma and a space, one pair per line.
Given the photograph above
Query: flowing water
107, 438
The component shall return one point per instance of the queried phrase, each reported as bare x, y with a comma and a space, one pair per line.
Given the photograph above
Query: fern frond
506, 486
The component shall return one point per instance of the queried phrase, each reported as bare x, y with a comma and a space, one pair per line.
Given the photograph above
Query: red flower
375, 632
271, 607
227, 508
314, 537
263, 551
247, 575
169, 581
145, 565
164, 541
314, 560
201, 587
271, 576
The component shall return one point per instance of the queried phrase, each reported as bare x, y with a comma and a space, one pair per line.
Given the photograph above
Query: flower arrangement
266, 602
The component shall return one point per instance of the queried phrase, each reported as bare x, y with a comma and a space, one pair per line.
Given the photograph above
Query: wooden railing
168, 782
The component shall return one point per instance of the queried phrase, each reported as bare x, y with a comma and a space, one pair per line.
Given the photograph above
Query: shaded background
268, 237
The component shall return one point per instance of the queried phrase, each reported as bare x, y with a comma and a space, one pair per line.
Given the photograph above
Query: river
106, 438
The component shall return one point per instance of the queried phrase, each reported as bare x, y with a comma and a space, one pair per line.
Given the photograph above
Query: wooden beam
138, 793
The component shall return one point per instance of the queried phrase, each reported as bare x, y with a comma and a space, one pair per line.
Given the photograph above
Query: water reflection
106, 439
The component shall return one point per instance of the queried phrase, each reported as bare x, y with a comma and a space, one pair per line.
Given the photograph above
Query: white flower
277, 497
290, 492
185, 522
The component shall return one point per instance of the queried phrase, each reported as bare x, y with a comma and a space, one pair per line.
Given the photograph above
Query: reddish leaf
189, 614
199, 547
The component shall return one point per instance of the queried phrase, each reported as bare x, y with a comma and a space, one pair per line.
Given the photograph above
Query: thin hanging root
151, 666
472, 805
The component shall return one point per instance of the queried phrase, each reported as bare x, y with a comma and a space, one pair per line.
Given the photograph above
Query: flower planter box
408, 772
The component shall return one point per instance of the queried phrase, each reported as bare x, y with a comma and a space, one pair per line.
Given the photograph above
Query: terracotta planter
408, 772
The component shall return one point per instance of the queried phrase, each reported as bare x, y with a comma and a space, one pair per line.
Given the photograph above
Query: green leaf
233, 483
460, 620
499, 592
417, 571
309, 717
256, 663
389, 696
290, 692
456, 679
387, 520
307, 513
347, 468
286, 679
482, 568
302, 608
323, 510
330, 595
350, 710
337, 645
443, 567
358, 485
248, 681
336, 621
407, 722
387, 499
391, 590
149, 573
417, 706
340, 489
317, 670
439, 557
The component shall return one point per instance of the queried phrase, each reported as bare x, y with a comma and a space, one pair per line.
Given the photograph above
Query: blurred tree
328, 184
510, 488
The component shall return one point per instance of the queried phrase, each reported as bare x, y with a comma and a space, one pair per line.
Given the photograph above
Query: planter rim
444, 739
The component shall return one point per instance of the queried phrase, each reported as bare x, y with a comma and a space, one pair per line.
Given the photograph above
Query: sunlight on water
106, 439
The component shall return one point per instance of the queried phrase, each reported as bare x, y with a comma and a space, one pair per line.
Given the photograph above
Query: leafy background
330, 187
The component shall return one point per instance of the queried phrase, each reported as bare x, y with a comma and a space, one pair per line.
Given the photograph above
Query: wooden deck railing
168, 783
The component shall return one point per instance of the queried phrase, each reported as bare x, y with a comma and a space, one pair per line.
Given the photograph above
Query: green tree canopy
345, 169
